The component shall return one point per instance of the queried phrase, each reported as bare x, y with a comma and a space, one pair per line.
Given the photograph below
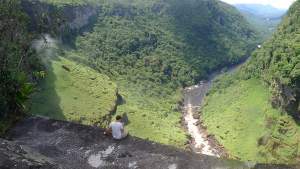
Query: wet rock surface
43, 143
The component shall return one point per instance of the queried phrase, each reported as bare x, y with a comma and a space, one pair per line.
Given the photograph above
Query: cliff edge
43, 143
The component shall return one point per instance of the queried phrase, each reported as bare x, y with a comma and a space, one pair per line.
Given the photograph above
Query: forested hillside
257, 107
278, 63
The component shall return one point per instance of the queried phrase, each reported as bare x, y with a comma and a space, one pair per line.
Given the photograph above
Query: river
193, 98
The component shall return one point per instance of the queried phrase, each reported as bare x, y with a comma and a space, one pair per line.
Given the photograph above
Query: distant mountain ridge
266, 11
265, 18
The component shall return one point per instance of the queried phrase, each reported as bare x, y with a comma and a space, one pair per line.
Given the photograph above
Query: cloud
282, 4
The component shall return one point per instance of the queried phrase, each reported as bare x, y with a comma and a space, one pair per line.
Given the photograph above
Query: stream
193, 99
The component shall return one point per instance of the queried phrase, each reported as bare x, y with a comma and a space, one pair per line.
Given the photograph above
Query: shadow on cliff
46, 101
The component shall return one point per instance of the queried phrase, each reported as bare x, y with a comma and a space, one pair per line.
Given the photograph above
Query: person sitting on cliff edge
116, 129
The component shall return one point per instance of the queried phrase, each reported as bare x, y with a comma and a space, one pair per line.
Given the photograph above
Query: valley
148, 59
191, 75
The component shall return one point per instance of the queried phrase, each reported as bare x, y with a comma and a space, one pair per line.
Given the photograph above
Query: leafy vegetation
167, 42
277, 63
269, 80
17, 61
155, 118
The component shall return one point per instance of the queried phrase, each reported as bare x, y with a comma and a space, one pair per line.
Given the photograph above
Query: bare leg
124, 134
108, 132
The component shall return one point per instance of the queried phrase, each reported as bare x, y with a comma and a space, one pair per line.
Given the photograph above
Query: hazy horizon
280, 4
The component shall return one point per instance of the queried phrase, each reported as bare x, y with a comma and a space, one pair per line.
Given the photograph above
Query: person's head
118, 118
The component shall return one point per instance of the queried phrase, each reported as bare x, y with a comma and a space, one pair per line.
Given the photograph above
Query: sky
281, 4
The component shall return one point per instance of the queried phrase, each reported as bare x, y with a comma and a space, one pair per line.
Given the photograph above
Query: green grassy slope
236, 117
85, 96
154, 118
241, 115
81, 94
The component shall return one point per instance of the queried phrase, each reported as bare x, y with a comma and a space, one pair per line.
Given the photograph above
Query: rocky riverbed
201, 141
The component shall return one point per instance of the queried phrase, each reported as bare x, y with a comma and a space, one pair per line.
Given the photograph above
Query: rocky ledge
16, 156
46, 144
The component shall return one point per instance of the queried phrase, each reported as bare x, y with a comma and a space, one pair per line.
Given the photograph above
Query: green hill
262, 97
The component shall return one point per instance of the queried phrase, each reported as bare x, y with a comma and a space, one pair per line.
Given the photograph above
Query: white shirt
117, 128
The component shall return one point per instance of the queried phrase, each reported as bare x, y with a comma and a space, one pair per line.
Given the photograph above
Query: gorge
71, 66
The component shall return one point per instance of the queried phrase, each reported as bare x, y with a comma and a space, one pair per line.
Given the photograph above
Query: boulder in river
197, 123
210, 135
196, 116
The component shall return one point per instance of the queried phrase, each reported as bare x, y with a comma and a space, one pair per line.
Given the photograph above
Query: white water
200, 143
193, 100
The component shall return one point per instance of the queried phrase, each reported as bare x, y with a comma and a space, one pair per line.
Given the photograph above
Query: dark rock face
57, 144
75, 19
286, 98
13, 156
